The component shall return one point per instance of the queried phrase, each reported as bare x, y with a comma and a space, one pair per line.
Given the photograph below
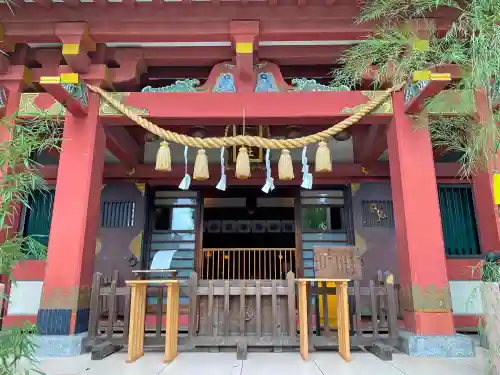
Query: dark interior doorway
248, 234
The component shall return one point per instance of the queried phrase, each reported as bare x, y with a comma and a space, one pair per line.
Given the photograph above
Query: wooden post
303, 332
172, 324
343, 320
132, 336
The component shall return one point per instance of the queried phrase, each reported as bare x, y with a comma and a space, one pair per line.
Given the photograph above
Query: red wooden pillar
65, 301
486, 209
10, 96
419, 237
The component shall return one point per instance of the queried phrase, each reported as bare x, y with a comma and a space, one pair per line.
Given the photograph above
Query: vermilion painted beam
417, 103
269, 108
340, 170
369, 144
201, 23
123, 146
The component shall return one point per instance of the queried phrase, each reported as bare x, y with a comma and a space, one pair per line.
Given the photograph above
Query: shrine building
216, 68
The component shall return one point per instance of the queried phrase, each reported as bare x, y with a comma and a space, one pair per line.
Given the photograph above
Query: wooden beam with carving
420, 90
76, 45
123, 146
369, 144
68, 90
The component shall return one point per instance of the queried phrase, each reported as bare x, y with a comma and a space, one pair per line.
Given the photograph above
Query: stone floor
320, 363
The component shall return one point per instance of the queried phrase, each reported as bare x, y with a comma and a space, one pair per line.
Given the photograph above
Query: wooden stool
137, 316
342, 317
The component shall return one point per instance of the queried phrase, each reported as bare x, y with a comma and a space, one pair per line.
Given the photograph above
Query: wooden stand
137, 316
342, 317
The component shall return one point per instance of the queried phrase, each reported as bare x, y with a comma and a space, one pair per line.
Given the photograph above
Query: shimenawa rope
246, 140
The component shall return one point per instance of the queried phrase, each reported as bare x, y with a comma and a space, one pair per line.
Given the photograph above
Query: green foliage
471, 43
17, 348
22, 141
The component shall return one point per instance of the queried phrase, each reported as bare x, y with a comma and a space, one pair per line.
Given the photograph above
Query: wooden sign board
341, 262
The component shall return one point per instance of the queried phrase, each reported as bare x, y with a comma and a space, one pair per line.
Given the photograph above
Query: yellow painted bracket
496, 187
427, 75
71, 78
70, 49
244, 47
421, 45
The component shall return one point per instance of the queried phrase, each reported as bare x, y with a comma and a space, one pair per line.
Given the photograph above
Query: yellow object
70, 49
72, 78
285, 166
440, 77
201, 166
323, 158
244, 47
496, 187
422, 76
138, 313
421, 45
163, 159
332, 307
243, 164
50, 80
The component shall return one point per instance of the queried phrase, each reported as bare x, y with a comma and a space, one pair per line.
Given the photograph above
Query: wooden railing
247, 264
255, 312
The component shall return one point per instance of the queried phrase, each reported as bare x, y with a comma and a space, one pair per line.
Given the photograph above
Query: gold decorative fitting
141, 188
430, 298
379, 211
365, 170
130, 172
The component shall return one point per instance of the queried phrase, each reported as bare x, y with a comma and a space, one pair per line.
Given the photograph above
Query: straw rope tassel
323, 158
243, 164
243, 140
201, 166
163, 159
285, 166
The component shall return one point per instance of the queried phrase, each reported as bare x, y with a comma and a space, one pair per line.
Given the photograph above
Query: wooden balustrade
247, 264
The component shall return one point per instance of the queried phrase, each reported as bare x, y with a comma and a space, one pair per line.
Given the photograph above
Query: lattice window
378, 214
458, 218
118, 214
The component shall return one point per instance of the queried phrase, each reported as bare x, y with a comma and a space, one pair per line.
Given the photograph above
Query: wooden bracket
244, 35
425, 85
5, 45
123, 146
76, 45
369, 144
14, 79
69, 90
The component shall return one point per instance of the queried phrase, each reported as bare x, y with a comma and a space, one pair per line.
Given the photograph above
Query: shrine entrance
248, 235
